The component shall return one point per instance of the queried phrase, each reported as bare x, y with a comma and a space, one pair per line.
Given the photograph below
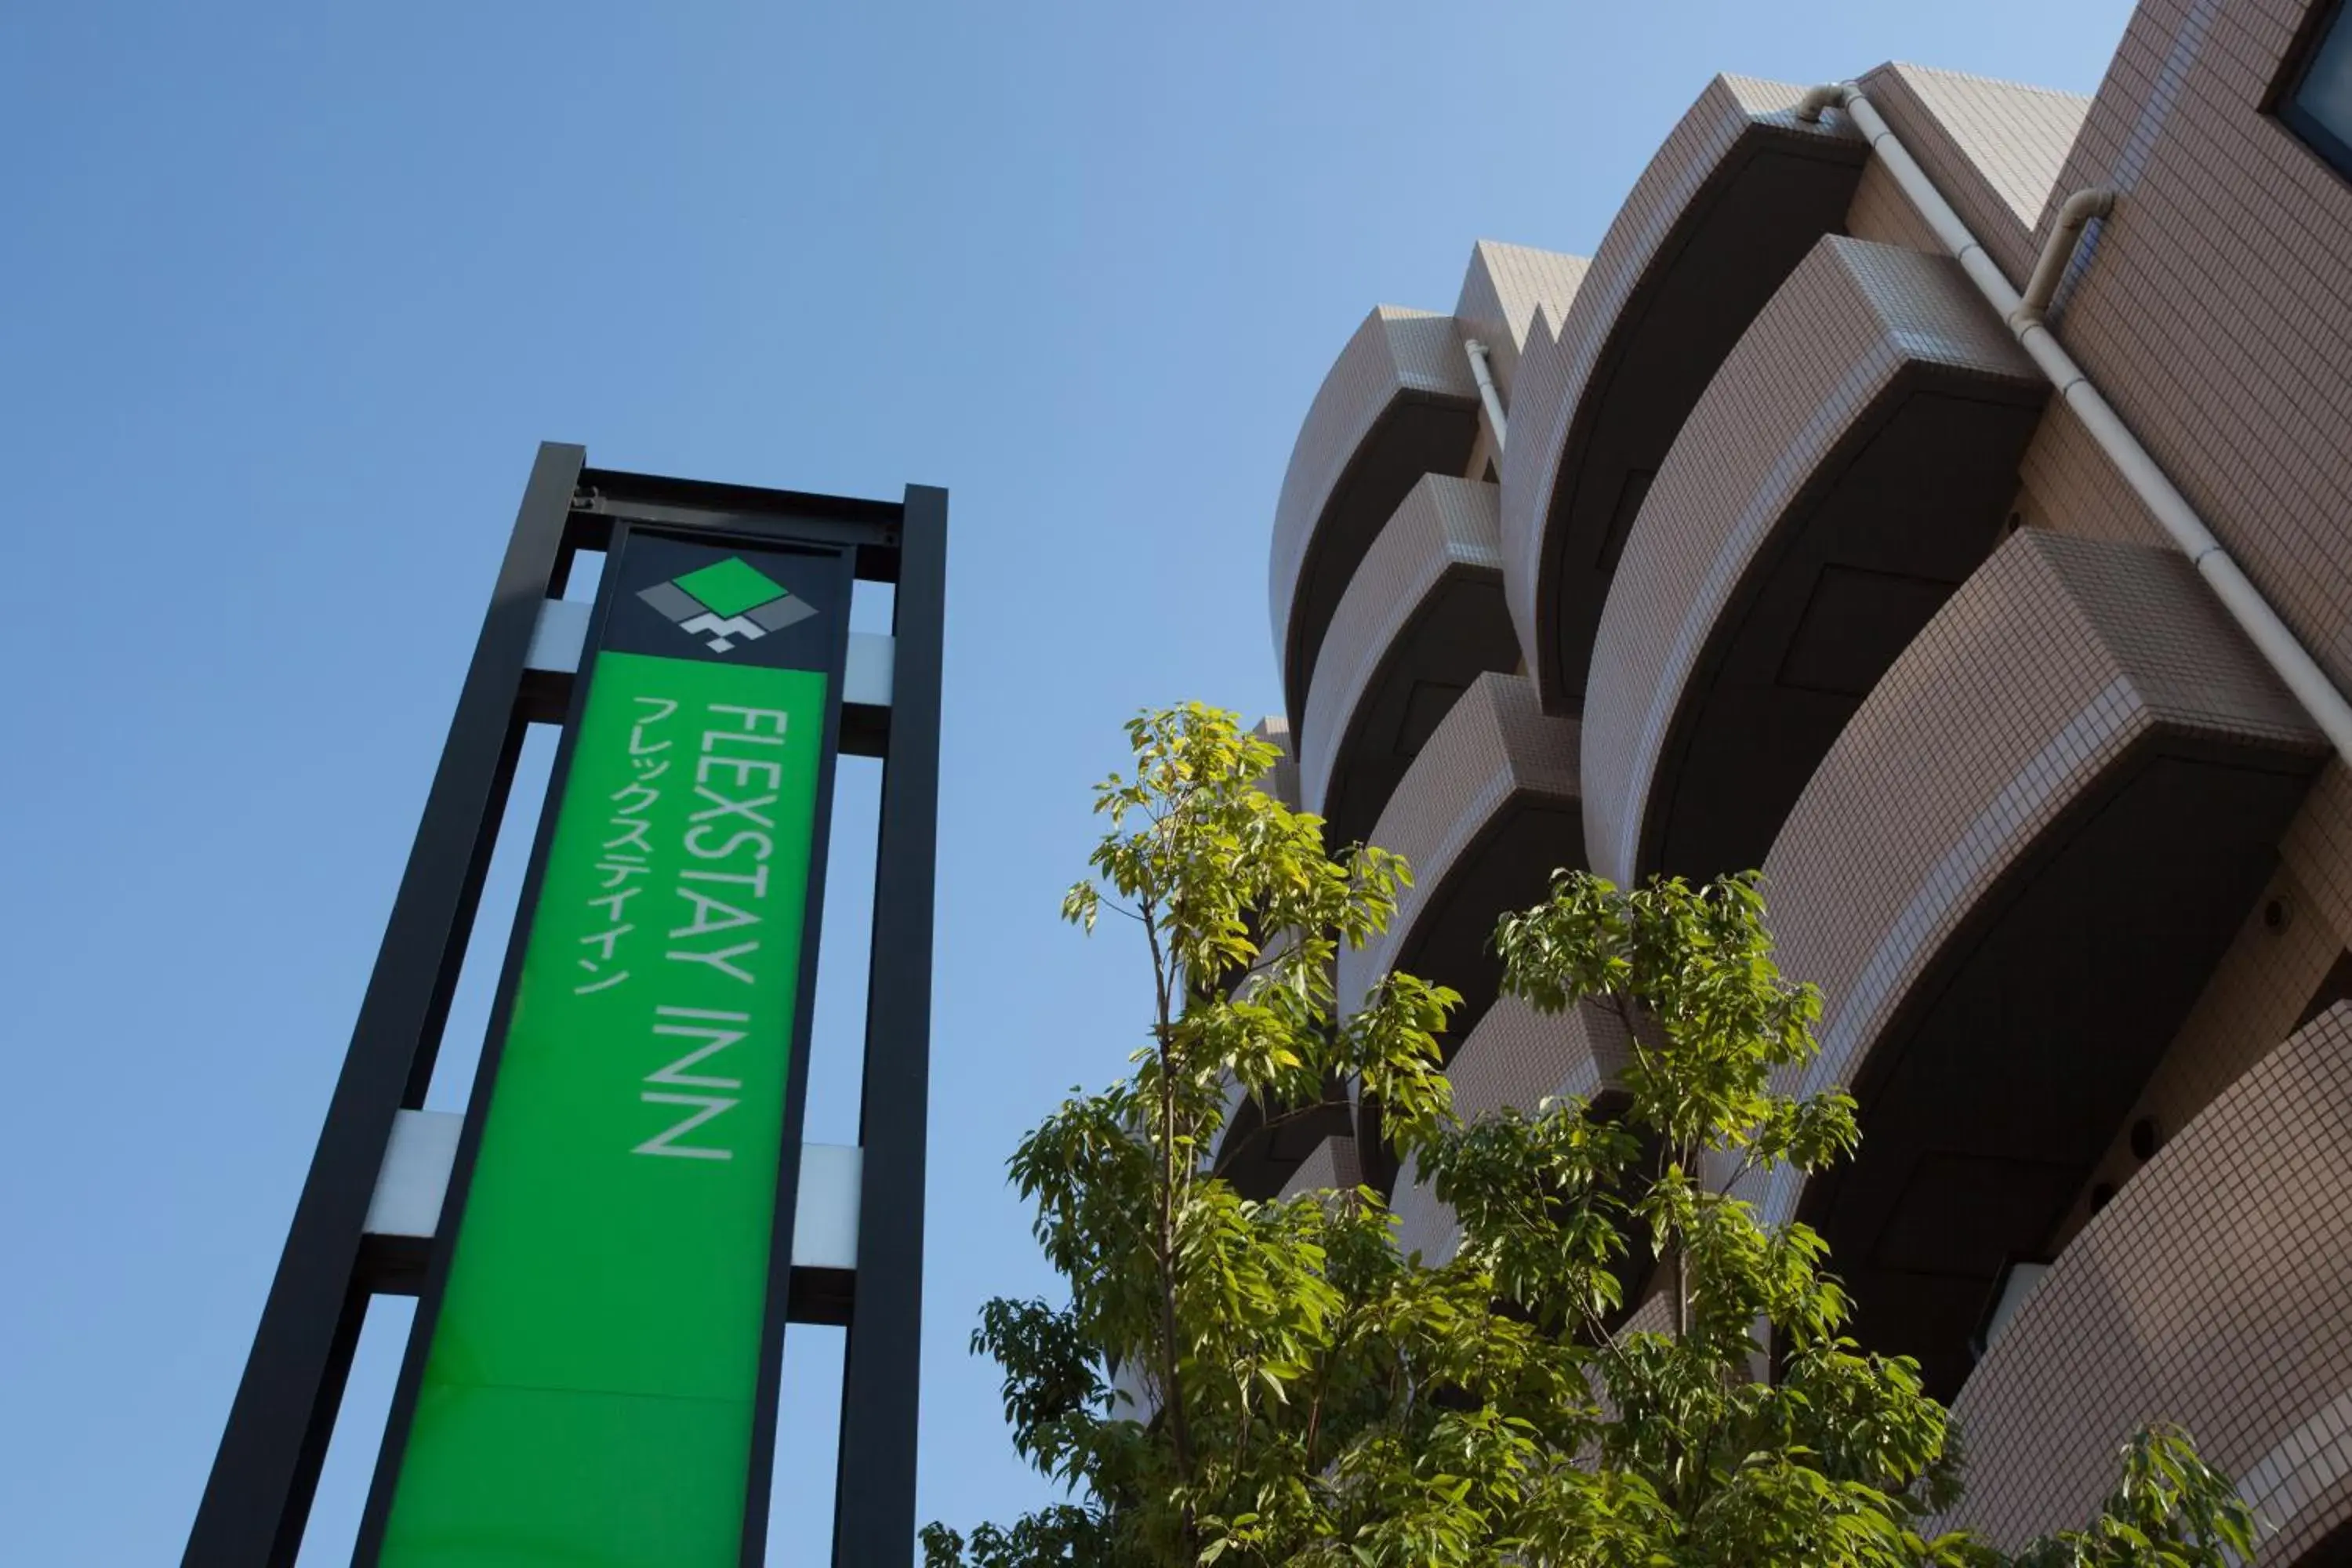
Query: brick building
1975, 556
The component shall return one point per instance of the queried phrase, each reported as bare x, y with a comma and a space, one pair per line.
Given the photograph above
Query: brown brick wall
2210, 1292
1504, 292
2214, 307
1881, 213
1994, 148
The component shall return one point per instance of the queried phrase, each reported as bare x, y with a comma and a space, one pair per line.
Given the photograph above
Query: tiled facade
1416, 626
1489, 804
1740, 191
2210, 1291
1789, 558
1727, 659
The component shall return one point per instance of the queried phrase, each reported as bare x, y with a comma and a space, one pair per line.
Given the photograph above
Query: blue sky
292, 292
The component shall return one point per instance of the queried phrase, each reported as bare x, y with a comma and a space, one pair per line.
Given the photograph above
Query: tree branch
1172, 1384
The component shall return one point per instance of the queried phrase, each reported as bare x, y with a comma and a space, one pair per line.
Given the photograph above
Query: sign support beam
873, 1512
258, 1496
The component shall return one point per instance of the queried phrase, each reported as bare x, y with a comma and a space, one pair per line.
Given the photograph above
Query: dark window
2317, 102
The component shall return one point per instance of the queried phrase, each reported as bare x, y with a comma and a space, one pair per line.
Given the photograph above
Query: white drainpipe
1483, 374
2050, 267
2278, 645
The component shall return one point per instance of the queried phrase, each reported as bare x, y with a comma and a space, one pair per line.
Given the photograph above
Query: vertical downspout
2270, 635
1483, 374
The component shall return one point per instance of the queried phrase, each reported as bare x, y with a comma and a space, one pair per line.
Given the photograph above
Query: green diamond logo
726, 604
731, 587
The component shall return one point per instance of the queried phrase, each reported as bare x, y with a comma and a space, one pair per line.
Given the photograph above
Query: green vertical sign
589, 1393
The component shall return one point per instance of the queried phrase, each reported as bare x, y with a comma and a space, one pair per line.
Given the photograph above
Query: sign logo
727, 603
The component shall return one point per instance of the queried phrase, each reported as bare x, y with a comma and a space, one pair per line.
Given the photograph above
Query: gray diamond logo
726, 604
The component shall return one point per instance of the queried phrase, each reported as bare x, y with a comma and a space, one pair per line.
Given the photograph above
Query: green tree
1311, 1397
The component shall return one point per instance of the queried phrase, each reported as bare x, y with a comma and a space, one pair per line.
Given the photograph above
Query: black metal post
874, 1499
259, 1496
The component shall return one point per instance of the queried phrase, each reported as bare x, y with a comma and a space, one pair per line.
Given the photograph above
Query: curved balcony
1332, 1166
1422, 620
1398, 404
1851, 464
1515, 1056
1262, 1160
1255, 1158
1732, 201
2195, 1296
1281, 781
2012, 878
1483, 816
